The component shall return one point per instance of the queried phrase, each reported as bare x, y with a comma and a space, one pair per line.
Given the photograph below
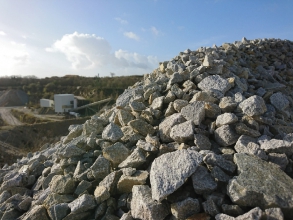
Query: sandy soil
8, 117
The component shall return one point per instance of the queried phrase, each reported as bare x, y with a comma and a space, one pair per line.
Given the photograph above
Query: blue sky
127, 37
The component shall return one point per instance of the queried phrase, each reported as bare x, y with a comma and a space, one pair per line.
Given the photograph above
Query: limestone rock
194, 111
144, 207
166, 126
226, 119
169, 171
185, 208
182, 132
112, 133
261, 184
203, 182
214, 82
82, 204
253, 106
126, 183
226, 135
116, 153
141, 127
135, 159
62, 184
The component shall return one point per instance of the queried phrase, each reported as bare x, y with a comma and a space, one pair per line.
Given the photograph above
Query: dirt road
6, 115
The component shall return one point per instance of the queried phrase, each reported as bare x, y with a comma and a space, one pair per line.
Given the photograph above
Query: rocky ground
207, 135
13, 97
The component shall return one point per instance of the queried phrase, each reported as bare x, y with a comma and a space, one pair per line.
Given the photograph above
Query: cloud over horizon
88, 51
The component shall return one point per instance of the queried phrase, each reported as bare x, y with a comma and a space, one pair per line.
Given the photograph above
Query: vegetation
92, 88
26, 118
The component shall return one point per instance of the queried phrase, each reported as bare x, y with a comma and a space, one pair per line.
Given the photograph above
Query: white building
64, 102
46, 103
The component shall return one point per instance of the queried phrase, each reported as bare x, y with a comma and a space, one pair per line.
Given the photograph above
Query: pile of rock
207, 135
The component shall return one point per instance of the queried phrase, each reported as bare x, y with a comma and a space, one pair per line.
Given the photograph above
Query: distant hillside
92, 88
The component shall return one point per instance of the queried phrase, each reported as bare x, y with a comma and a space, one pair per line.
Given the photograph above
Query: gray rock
255, 213
203, 96
62, 184
177, 91
194, 111
208, 60
277, 146
112, 133
126, 183
279, 101
182, 132
77, 216
137, 106
227, 104
101, 194
110, 181
233, 210
124, 117
141, 127
82, 204
166, 125
253, 106
116, 153
179, 104
203, 182
158, 103
274, 214
71, 151
135, 159
242, 129
219, 175
185, 208
101, 168
126, 216
202, 142
55, 198
144, 207
212, 110
169, 171
261, 184
37, 212
146, 146
58, 211
226, 135
226, 119
210, 207
280, 159
75, 132
124, 98
82, 186
4, 196
213, 159
214, 82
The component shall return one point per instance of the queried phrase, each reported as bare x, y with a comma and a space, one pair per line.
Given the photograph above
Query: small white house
64, 102
46, 103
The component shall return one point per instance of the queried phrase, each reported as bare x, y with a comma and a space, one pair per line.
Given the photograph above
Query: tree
112, 74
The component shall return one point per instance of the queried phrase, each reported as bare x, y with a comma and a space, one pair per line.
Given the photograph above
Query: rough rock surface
267, 186
206, 135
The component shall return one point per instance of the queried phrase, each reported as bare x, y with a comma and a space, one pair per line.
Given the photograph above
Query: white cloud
127, 59
155, 31
131, 35
2, 33
122, 21
13, 55
84, 51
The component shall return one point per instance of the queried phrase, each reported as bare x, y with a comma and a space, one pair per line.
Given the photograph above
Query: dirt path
8, 117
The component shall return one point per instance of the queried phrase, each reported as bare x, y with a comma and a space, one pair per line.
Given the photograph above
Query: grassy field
27, 118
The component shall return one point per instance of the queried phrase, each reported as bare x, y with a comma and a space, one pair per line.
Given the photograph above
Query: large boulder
261, 184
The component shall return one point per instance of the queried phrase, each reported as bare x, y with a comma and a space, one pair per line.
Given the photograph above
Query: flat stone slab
170, 170
261, 184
